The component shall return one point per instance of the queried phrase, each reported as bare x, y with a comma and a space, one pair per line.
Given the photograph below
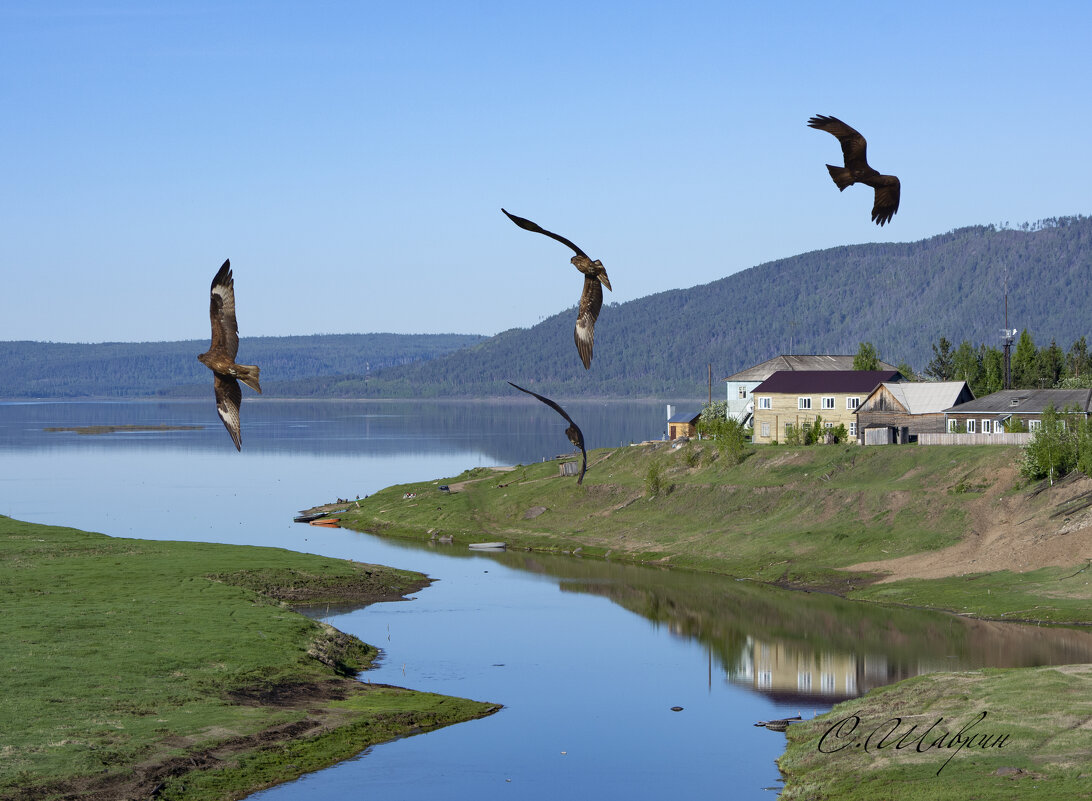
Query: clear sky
351, 158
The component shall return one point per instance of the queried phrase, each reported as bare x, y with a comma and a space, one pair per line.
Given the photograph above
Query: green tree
726, 432
907, 371
1025, 363
867, 358
967, 365
993, 372
1051, 365
1052, 452
1077, 360
941, 367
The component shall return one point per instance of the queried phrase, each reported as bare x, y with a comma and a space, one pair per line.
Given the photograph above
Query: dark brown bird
572, 432
591, 299
856, 169
220, 357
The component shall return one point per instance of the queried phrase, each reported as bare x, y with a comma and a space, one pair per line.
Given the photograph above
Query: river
587, 657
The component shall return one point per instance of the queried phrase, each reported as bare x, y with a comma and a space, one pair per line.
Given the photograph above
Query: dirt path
1020, 532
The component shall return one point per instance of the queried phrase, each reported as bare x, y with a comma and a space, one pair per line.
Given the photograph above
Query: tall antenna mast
1007, 337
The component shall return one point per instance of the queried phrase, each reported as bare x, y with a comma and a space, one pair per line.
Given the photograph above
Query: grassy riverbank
951, 528
998, 734
835, 519
133, 667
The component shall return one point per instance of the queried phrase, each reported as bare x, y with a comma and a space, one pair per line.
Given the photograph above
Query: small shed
895, 413
683, 425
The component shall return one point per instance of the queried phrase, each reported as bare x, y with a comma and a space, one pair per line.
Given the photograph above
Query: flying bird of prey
856, 169
220, 357
572, 432
591, 299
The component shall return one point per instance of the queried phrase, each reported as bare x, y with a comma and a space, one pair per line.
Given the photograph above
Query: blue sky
351, 158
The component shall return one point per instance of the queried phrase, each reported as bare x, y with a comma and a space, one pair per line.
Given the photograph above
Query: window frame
765, 402
803, 403
827, 402
853, 403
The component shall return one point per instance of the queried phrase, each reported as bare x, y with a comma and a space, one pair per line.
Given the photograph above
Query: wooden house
741, 385
789, 399
898, 412
990, 413
683, 425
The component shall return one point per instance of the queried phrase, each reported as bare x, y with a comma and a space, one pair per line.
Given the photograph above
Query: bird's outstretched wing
225, 329
575, 435
853, 144
887, 199
228, 398
527, 225
591, 301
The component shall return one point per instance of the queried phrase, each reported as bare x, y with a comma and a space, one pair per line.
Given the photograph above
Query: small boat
778, 725
487, 546
326, 521
308, 517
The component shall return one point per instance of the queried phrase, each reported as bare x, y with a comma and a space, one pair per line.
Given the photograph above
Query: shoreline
905, 506
227, 690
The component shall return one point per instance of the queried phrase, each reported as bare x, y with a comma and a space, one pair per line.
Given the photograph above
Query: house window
853, 429
852, 403
952, 424
828, 425
765, 429
803, 403
970, 426
1034, 425
828, 403
765, 403
987, 426
743, 393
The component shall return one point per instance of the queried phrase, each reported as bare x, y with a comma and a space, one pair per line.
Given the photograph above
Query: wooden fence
974, 439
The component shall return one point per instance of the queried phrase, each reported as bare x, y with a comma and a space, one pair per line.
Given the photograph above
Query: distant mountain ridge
902, 297
146, 369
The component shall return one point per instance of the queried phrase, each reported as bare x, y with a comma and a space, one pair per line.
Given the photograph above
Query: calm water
588, 657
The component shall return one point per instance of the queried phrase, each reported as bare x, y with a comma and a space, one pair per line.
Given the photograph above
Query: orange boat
326, 521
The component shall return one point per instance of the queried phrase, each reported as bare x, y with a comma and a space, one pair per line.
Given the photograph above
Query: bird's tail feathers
842, 176
248, 374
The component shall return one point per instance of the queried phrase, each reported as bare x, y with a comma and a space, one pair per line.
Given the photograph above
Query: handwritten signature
848, 733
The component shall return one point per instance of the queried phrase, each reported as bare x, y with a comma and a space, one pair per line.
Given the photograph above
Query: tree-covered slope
136, 369
901, 297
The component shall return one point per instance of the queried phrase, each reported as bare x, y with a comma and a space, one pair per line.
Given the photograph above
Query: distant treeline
145, 369
1030, 367
901, 297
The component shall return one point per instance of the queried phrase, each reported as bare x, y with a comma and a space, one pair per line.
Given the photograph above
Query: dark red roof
815, 381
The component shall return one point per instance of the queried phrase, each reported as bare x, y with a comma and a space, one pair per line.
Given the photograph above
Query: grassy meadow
135, 666
790, 516
797, 517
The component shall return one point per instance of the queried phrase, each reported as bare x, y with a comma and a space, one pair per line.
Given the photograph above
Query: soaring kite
591, 299
572, 432
856, 169
220, 357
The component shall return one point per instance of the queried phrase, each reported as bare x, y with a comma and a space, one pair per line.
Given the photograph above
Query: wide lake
588, 657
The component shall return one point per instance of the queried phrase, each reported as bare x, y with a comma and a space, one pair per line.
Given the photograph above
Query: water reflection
509, 431
802, 646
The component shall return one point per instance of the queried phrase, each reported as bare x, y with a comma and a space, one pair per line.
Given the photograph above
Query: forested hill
901, 297
140, 369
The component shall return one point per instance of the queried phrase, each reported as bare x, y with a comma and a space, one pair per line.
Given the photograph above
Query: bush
654, 478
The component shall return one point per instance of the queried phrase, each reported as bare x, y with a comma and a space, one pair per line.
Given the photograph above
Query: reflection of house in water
787, 673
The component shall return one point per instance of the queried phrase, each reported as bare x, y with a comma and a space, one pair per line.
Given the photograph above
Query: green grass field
124, 659
1042, 714
795, 517
791, 516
